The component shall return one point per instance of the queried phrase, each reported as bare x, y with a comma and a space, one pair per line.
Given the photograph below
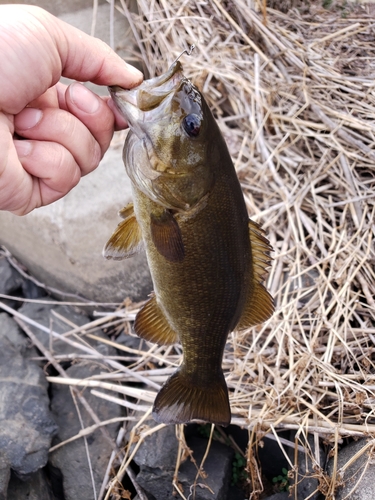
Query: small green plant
239, 473
327, 4
282, 480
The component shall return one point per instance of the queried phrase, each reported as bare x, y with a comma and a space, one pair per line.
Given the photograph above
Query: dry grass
295, 98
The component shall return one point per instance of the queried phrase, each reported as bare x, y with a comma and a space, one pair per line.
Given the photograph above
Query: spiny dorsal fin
166, 235
127, 238
259, 306
260, 251
152, 325
127, 211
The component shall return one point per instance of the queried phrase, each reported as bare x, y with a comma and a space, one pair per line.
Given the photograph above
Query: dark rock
131, 341
35, 488
32, 291
272, 468
10, 330
282, 495
71, 459
305, 477
10, 279
358, 480
217, 467
46, 315
159, 449
26, 425
4, 474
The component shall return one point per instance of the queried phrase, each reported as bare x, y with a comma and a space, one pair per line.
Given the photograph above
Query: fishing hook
188, 52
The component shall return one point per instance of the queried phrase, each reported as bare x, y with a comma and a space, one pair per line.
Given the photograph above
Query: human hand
50, 134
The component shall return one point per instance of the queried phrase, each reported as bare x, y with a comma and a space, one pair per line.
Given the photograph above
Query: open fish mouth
141, 103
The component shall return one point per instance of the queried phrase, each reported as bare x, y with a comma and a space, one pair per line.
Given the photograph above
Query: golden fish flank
207, 259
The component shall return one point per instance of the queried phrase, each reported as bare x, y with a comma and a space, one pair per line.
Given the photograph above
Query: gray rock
159, 449
4, 474
217, 467
61, 244
358, 480
60, 7
35, 488
46, 315
283, 495
10, 330
307, 482
10, 279
82, 20
71, 459
26, 424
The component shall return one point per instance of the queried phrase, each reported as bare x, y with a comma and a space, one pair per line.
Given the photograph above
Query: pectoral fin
152, 325
166, 235
127, 238
260, 305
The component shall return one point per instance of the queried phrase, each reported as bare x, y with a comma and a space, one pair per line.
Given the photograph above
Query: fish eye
192, 125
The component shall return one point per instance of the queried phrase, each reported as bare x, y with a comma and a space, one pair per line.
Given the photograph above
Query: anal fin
152, 325
260, 305
127, 239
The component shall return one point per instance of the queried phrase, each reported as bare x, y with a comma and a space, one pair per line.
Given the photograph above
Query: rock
10, 279
46, 315
307, 482
26, 424
270, 448
158, 481
71, 459
61, 244
10, 330
60, 7
32, 291
282, 495
159, 449
37, 487
82, 20
358, 480
4, 474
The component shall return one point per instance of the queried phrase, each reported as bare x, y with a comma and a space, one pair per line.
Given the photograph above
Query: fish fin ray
260, 305
181, 400
152, 325
167, 238
127, 239
127, 211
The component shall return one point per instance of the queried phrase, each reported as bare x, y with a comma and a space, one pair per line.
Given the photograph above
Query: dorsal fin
152, 325
127, 238
259, 305
127, 211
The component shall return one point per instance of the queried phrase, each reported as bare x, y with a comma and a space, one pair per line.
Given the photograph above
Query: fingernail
83, 98
134, 72
28, 118
23, 148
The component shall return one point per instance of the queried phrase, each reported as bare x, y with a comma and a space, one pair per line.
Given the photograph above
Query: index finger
58, 49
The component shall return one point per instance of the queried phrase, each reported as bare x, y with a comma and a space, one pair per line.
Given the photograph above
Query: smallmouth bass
207, 259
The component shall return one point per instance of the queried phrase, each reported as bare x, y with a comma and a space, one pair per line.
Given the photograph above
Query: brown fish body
199, 249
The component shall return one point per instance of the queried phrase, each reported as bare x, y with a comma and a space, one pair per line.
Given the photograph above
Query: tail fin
179, 401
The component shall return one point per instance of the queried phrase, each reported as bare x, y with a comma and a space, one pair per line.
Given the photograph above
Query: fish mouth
138, 104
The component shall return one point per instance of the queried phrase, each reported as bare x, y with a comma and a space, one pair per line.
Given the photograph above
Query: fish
207, 259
